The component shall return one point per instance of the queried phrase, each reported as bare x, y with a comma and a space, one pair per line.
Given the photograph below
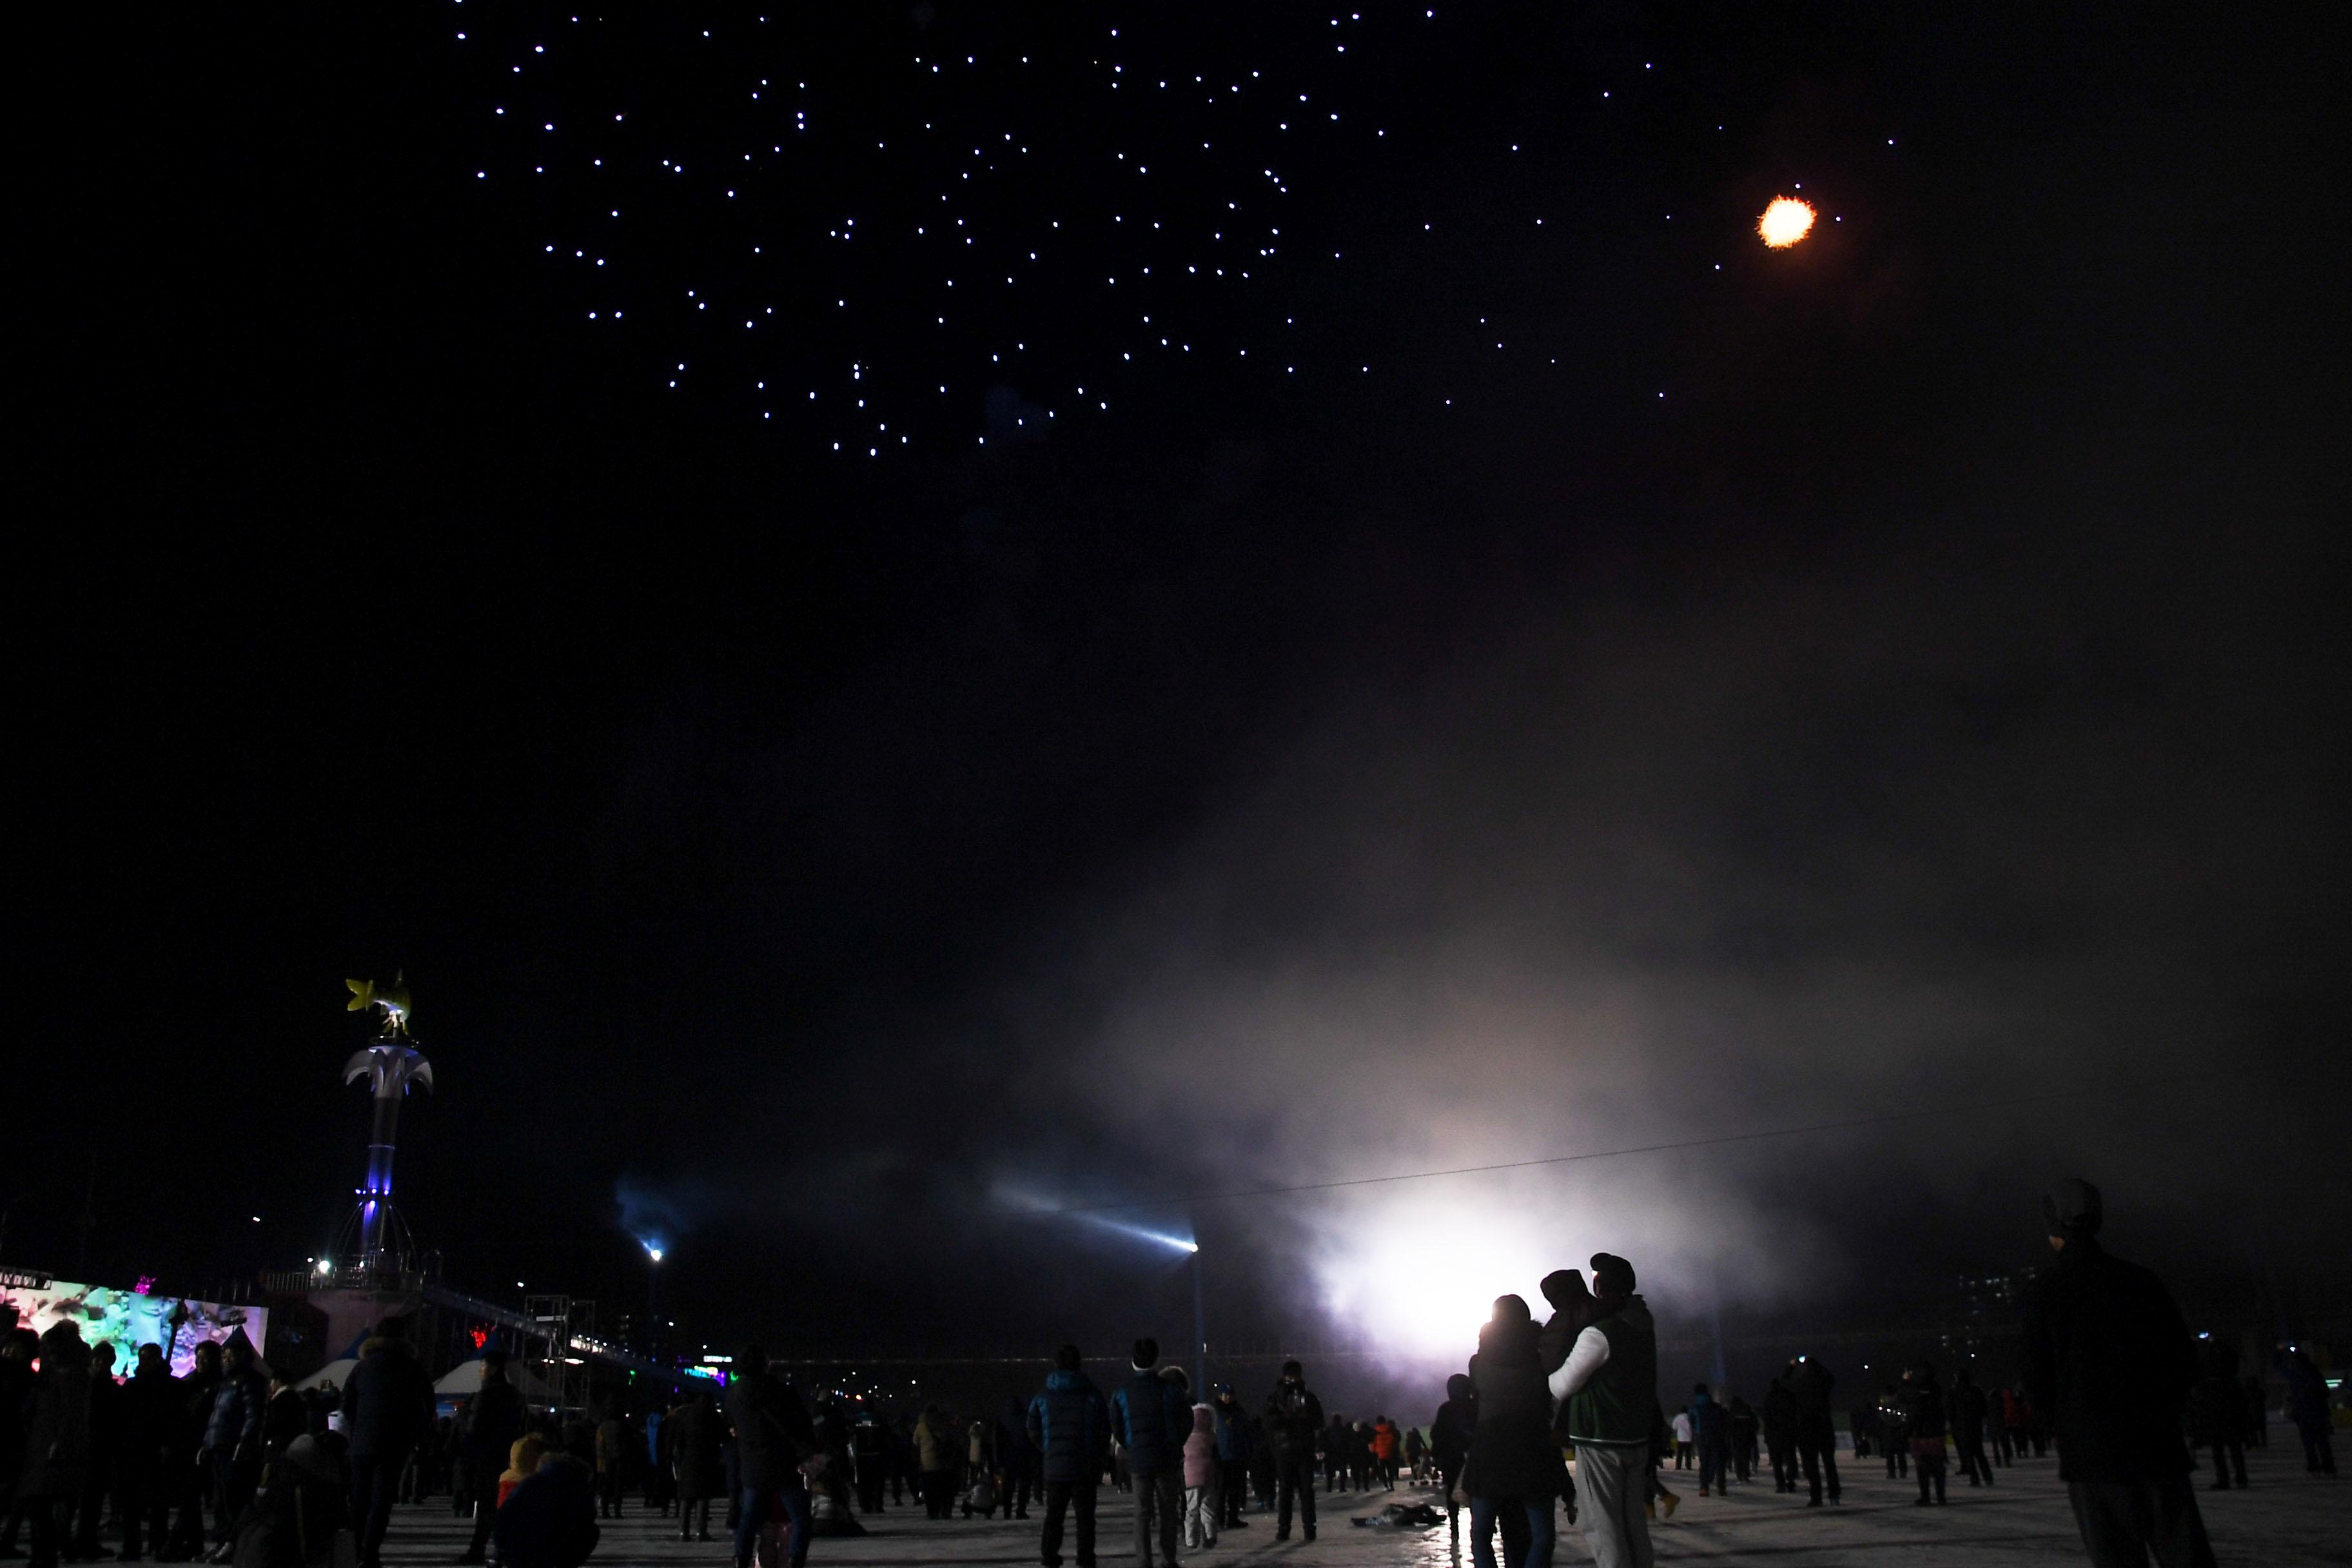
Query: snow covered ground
2284, 1519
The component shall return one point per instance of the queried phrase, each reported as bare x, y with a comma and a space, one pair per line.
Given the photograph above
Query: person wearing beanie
1151, 1415
2109, 1363
1610, 1381
1293, 1416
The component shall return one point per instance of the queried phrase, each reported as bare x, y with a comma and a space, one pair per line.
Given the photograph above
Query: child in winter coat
522, 1462
1203, 1494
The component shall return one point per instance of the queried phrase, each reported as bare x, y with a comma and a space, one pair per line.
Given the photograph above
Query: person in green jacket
1610, 1381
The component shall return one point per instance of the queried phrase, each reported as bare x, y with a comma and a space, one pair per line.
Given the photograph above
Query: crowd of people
232, 1465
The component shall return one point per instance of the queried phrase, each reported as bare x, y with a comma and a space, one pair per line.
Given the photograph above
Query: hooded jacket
387, 1400
1512, 1454
1450, 1429
1070, 1426
1152, 1419
1201, 1449
2108, 1362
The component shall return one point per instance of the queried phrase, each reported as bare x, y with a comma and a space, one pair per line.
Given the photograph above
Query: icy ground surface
2284, 1519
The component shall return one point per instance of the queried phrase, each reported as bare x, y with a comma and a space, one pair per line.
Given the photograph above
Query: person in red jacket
1385, 1440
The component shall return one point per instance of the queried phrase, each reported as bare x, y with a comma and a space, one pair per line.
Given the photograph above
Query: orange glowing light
1785, 222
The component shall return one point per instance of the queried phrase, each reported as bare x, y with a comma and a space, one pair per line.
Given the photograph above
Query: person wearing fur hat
2108, 1364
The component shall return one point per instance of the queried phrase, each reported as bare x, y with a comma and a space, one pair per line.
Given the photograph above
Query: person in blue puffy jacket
1069, 1426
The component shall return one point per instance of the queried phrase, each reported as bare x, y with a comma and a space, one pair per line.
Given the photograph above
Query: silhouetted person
495, 1417
695, 1435
232, 1446
298, 1512
548, 1521
1514, 1472
1017, 1458
387, 1410
105, 1445
2306, 1407
1610, 1381
1967, 1406
57, 1441
935, 1462
1779, 1416
1152, 1416
2108, 1364
19, 1348
1449, 1440
1816, 1431
612, 1447
1893, 1434
2217, 1415
1711, 1436
188, 1475
1069, 1425
1740, 1422
1923, 1419
1293, 1416
1233, 1435
869, 1455
773, 1435
151, 1426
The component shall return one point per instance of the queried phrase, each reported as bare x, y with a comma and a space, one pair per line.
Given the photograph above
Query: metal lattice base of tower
551, 1353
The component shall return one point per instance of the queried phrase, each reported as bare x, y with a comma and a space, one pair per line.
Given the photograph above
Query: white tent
331, 1375
464, 1380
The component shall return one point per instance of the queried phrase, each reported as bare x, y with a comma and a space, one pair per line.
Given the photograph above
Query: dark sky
1569, 684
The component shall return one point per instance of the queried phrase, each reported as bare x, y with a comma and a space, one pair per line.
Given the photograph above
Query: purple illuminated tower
389, 1065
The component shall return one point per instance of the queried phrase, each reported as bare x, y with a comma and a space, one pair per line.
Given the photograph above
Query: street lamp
653, 1294
1200, 1304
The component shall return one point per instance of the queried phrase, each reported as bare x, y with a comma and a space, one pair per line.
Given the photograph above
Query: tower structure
375, 1240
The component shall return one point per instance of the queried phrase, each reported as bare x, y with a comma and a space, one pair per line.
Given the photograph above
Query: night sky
893, 621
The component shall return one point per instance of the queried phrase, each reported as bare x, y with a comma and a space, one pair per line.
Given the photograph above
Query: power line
1846, 1125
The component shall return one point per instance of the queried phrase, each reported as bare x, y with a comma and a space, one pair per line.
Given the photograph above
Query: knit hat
1147, 1354
2073, 1209
1565, 1290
